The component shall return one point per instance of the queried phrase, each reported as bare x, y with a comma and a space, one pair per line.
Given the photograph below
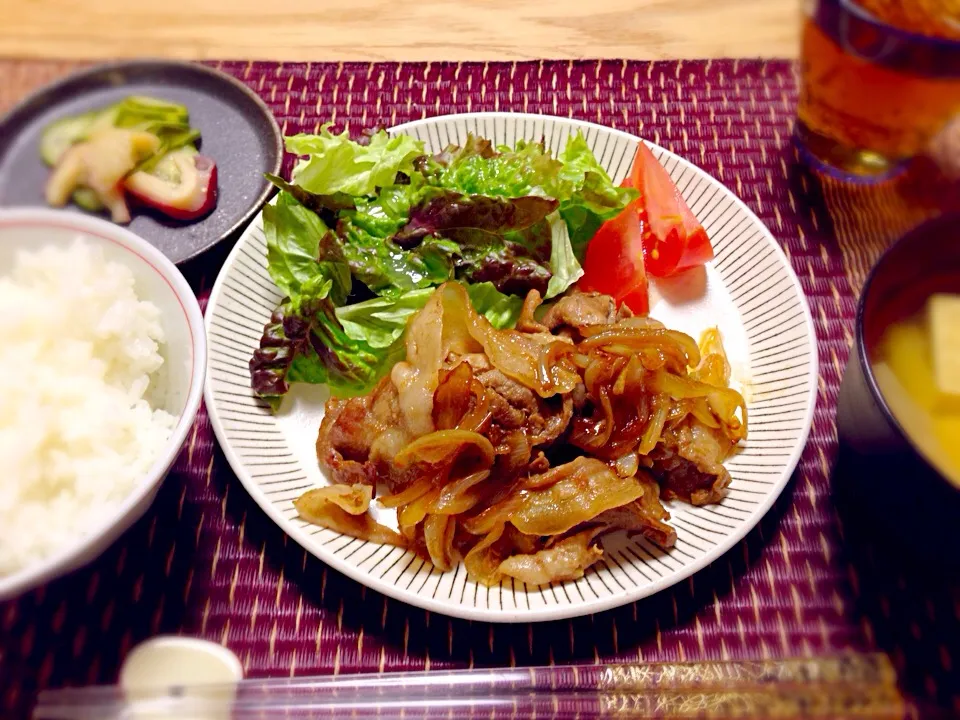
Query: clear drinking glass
879, 85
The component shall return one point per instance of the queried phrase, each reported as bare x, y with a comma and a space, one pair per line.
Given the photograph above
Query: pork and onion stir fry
515, 451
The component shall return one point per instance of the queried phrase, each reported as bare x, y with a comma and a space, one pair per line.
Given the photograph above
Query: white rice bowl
102, 356
76, 432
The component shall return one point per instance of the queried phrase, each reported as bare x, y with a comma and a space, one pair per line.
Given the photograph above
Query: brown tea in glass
880, 84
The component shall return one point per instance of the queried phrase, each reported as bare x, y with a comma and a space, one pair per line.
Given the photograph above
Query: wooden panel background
399, 29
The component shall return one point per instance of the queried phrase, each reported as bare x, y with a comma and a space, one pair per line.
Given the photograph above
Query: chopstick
839, 686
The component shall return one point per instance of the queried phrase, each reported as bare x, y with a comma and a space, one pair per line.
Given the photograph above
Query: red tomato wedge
673, 239
613, 263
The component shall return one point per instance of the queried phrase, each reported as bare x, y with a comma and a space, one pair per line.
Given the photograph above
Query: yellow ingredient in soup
943, 317
904, 372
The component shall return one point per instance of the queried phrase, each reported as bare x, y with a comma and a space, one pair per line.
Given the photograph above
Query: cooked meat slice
478, 362
645, 515
515, 406
511, 402
682, 479
539, 464
513, 453
567, 559
580, 397
555, 422
689, 463
580, 310
527, 322
347, 427
343, 443
359, 437
351, 426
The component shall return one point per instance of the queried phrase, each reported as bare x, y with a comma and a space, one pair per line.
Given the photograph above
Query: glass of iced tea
880, 85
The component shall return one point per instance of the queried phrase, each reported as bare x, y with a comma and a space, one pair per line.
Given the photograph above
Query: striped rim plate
749, 291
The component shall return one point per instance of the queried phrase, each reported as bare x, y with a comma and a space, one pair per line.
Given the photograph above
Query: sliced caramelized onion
677, 387
515, 354
713, 368
630, 377
725, 403
327, 507
451, 399
408, 495
413, 514
565, 560
625, 341
478, 417
497, 514
583, 489
483, 559
434, 333
638, 322
354, 499
651, 434
455, 498
460, 401
627, 465
699, 408
435, 536
552, 362
609, 421
513, 453
442, 446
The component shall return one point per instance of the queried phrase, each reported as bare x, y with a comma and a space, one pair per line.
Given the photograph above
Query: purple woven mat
206, 561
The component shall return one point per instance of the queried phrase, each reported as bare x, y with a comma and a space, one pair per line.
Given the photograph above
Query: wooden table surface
398, 29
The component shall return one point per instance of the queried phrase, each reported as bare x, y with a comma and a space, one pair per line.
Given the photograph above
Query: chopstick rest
186, 666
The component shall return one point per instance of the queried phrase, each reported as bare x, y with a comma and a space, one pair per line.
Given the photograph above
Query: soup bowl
886, 459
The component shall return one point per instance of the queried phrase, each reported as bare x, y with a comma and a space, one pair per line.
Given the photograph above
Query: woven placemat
206, 561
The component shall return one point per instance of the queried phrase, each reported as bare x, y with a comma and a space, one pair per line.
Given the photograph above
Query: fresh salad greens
365, 231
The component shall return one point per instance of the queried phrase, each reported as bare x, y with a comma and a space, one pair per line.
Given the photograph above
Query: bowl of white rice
102, 359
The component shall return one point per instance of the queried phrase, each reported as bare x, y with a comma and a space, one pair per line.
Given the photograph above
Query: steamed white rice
77, 349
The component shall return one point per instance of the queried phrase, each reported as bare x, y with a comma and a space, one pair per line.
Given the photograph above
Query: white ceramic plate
749, 291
